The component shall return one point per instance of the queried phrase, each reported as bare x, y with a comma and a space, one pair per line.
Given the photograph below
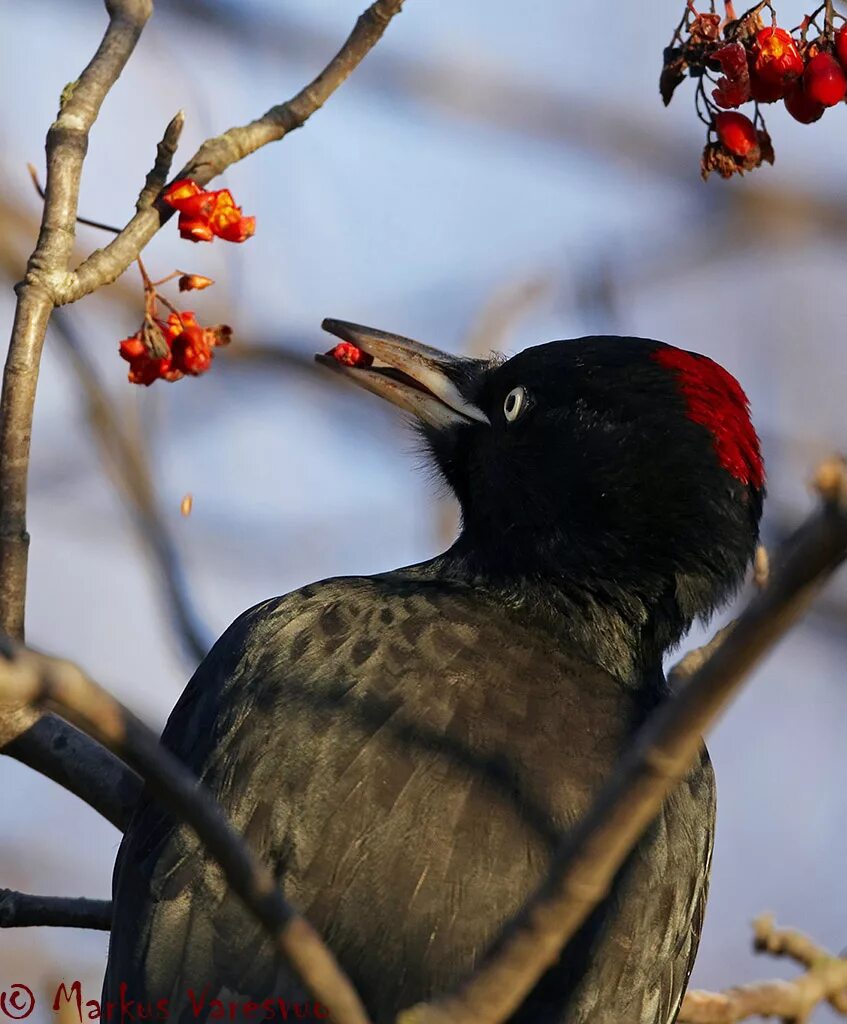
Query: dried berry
189, 349
716, 158
734, 60
766, 155
705, 28
143, 367
673, 73
733, 88
194, 282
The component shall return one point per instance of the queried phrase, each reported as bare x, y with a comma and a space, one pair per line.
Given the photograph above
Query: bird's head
620, 473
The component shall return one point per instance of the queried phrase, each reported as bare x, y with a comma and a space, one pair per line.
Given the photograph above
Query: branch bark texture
21, 910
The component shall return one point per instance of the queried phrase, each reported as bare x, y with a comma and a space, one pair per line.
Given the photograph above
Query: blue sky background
483, 146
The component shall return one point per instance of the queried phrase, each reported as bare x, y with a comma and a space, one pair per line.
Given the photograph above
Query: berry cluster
744, 60
202, 214
181, 347
172, 348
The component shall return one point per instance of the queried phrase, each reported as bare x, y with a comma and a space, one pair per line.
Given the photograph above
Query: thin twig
37, 680
825, 980
584, 867
21, 910
789, 942
165, 151
87, 221
219, 153
125, 458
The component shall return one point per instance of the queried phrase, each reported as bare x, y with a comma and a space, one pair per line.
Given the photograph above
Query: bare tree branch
28, 678
47, 270
48, 744
74, 761
51, 746
49, 283
67, 142
694, 660
825, 980
21, 910
215, 155
585, 865
125, 458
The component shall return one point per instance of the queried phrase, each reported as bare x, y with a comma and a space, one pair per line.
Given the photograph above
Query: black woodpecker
405, 749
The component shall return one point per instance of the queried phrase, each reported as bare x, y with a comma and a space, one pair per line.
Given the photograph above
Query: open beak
418, 379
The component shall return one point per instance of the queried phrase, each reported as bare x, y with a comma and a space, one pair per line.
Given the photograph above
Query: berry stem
169, 305
700, 99
811, 19
170, 277
145, 277
829, 13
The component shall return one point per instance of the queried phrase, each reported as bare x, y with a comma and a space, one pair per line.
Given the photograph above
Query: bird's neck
608, 625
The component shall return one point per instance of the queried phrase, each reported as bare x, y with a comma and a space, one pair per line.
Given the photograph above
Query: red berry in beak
350, 355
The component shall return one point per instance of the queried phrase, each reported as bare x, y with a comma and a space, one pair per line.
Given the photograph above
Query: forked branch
824, 980
49, 283
219, 153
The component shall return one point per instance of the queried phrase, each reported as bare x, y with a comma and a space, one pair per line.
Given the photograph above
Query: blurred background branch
23, 910
823, 981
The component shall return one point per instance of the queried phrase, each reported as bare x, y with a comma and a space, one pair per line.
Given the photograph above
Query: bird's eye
516, 402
